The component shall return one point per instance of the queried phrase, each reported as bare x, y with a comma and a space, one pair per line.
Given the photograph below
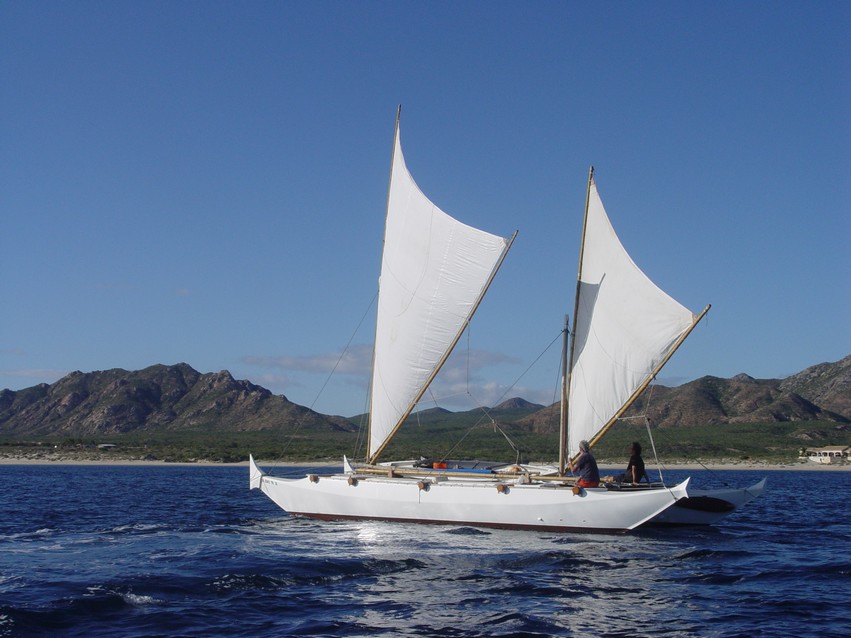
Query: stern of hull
255, 474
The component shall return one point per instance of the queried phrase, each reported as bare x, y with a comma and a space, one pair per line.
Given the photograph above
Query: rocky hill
819, 393
180, 398
157, 398
826, 384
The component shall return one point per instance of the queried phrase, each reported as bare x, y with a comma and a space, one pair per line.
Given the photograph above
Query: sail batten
434, 273
625, 328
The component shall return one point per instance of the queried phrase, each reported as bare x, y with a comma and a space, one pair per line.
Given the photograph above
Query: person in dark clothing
635, 471
586, 465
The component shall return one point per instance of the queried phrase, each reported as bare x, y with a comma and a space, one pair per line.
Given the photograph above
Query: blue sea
189, 551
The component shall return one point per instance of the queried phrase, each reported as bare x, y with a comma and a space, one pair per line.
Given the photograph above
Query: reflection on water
437, 578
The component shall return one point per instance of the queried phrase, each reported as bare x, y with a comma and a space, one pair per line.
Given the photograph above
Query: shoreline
605, 468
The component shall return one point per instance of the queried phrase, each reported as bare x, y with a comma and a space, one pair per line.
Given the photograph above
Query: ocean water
189, 551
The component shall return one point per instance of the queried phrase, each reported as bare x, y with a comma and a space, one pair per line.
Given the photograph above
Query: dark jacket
586, 466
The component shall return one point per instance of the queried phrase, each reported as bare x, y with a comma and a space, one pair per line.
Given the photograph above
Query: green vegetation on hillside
444, 438
770, 442
188, 446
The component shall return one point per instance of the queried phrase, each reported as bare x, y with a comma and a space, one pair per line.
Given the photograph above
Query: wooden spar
562, 423
384, 240
563, 442
650, 378
449, 350
427, 472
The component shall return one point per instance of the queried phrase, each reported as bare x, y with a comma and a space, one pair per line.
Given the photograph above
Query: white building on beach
827, 455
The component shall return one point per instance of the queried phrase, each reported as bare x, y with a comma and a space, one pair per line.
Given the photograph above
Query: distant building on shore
828, 454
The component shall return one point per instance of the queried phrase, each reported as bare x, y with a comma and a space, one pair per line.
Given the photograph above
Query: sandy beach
605, 467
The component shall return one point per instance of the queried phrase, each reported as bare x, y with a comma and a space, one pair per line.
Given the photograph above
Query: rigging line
502, 397
697, 461
466, 434
360, 440
510, 442
469, 430
431, 394
653, 444
650, 434
517, 380
495, 425
484, 419
646, 416
445, 456
557, 388
457, 444
486, 415
531, 365
345, 350
297, 427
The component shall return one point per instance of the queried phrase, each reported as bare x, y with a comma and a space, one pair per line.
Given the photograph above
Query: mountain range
177, 397
160, 397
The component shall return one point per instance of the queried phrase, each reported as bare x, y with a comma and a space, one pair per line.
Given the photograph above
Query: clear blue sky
205, 182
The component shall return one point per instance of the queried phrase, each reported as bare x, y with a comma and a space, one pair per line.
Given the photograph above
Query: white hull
707, 507
459, 501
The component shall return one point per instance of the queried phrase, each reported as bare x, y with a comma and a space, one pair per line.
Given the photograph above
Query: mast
425, 386
566, 385
562, 424
386, 212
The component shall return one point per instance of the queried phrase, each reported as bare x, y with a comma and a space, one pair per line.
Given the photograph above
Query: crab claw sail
434, 272
625, 328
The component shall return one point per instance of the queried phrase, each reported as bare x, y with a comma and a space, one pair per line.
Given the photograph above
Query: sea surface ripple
188, 551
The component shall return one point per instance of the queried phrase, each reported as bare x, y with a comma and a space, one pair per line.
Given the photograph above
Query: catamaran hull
707, 507
480, 503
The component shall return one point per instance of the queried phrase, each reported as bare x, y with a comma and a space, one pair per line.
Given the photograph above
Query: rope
659, 464
288, 443
500, 399
345, 350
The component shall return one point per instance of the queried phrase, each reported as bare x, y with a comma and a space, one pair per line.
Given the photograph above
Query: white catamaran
435, 271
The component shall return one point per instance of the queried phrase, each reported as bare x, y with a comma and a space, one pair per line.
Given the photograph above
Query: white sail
624, 328
434, 271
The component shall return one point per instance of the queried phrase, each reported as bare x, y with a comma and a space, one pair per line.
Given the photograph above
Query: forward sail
625, 328
434, 272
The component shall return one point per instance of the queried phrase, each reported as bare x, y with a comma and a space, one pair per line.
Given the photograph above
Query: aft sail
625, 329
434, 272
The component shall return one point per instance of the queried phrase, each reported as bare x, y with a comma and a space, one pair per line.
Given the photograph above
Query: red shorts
584, 483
